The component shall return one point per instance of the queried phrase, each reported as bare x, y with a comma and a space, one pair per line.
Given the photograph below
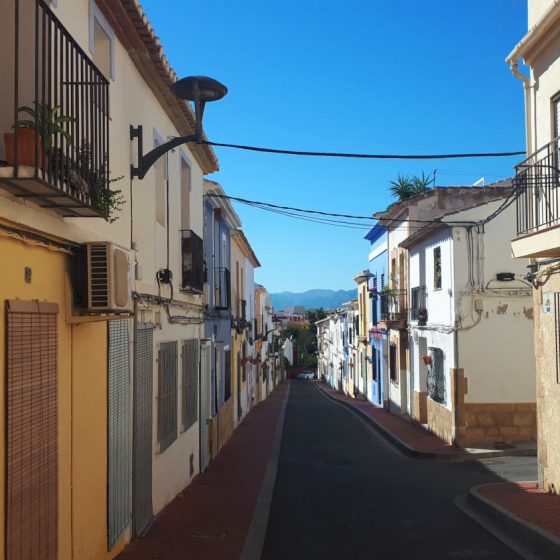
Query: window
437, 268
227, 374
167, 395
556, 116
161, 177
436, 376
393, 362
101, 41
190, 383
374, 371
418, 301
185, 192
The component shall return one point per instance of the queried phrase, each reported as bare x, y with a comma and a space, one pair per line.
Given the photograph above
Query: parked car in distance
306, 375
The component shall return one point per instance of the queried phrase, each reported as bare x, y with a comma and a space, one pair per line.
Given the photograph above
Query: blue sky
358, 76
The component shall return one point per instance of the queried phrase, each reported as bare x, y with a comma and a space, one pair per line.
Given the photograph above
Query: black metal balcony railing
537, 185
417, 302
57, 154
192, 264
222, 288
393, 305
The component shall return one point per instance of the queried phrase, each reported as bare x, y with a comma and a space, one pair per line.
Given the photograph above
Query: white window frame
95, 15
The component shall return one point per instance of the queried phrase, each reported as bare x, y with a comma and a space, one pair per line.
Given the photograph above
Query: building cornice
138, 37
539, 35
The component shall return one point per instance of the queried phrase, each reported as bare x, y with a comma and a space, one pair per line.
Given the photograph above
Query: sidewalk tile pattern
525, 500
413, 435
210, 519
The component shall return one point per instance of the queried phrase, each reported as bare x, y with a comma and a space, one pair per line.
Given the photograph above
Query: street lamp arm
145, 161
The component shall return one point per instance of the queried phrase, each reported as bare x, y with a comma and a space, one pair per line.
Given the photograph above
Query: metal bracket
145, 161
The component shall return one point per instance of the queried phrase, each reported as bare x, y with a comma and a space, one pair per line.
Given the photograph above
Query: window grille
436, 376
118, 421
190, 383
167, 394
142, 510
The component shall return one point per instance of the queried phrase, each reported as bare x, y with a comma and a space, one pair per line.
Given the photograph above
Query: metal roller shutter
31, 431
142, 512
118, 499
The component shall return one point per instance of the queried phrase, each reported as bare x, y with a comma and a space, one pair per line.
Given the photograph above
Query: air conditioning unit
105, 278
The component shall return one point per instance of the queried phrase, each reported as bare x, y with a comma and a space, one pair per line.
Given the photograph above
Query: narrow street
343, 492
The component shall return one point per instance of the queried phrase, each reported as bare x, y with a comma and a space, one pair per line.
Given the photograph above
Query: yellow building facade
74, 377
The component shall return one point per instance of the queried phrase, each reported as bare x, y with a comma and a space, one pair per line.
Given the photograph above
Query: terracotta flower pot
26, 147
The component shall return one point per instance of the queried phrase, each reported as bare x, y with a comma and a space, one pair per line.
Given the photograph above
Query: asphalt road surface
343, 492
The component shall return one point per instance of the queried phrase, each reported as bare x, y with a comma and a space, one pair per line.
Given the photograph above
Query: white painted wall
495, 348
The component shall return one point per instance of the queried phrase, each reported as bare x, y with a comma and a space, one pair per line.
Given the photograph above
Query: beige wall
83, 466
537, 9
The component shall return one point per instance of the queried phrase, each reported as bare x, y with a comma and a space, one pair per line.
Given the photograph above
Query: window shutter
31, 430
167, 394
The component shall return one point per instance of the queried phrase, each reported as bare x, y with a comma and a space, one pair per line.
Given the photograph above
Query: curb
425, 455
515, 528
254, 542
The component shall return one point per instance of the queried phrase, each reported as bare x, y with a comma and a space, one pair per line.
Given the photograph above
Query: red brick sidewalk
210, 519
411, 435
525, 500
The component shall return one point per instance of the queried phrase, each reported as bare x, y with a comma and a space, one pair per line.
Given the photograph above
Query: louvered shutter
31, 430
167, 394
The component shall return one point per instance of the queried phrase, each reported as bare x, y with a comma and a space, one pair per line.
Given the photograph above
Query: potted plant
35, 134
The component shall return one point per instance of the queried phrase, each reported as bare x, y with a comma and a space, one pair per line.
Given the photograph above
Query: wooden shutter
31, 436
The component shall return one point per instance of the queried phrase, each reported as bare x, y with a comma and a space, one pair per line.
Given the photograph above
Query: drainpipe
456, 383
529, 114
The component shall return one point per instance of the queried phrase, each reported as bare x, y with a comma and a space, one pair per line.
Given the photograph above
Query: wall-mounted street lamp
199, 90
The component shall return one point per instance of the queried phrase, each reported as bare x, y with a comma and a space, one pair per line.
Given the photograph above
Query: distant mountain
313, 299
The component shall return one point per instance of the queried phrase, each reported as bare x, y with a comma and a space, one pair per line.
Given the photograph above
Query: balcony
242, 309
394, 311
538, 204
58, 155
418, 311
222, 288
192, 262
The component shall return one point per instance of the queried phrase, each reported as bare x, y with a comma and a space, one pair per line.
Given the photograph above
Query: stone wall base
420, 412
487, 423
440, 421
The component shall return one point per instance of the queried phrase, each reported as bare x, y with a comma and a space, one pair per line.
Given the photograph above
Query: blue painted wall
217, 326
378, 266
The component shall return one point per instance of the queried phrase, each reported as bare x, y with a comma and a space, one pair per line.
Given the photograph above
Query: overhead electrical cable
361, 155
257, 203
